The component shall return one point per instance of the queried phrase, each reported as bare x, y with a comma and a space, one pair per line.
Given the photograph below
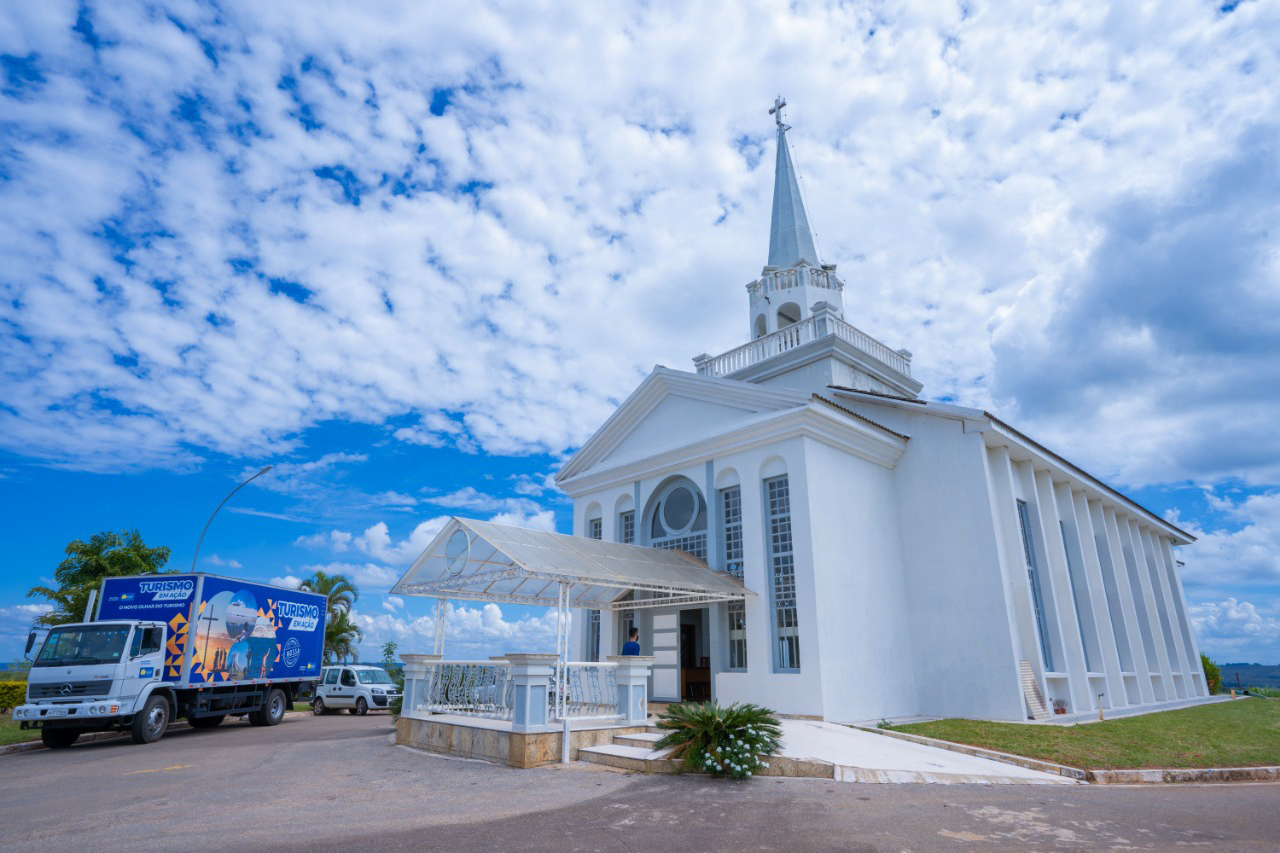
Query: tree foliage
1212, 677
732, 741
105, 555
341, 635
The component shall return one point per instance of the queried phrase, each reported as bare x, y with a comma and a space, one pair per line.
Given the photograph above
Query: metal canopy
482, 561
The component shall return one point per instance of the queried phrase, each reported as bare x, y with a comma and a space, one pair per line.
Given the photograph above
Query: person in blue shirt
632, 646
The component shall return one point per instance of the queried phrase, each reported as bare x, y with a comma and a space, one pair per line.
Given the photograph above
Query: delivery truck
169, 646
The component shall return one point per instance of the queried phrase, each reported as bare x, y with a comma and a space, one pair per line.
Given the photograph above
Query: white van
356, 687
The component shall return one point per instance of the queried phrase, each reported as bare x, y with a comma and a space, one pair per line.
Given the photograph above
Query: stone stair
631, 752
1031, 692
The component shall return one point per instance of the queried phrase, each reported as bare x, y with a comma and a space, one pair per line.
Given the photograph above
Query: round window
678, 509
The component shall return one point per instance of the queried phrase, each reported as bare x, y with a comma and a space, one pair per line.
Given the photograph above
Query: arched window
677, 518
788, 314
762, 326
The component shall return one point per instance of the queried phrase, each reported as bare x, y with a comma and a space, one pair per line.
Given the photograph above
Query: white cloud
1247, 553
472, 632
392, 603
376, 541
290, 581
1234, 631
502, 273
215, 560
25, 612
334, 540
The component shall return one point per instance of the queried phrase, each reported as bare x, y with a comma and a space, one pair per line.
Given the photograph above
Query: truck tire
317, 706
206, 722
58, 738
361, 708
149, 725
272, 710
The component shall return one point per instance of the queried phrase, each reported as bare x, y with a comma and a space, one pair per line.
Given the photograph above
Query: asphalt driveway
338, 783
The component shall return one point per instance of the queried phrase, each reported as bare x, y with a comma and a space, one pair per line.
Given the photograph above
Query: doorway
695, 656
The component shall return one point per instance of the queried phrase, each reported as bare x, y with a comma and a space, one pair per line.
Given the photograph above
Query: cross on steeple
776, 112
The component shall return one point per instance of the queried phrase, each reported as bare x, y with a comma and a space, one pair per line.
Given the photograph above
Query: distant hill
1251, 675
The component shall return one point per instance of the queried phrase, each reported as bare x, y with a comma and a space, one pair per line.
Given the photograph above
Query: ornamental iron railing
468, 688
585, 691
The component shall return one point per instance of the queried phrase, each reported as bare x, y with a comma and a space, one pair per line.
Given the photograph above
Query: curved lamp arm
215, 512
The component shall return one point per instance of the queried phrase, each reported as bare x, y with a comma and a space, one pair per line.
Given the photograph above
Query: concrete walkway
865, 757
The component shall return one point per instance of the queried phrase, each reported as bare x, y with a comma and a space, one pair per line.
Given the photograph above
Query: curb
978, 752
90, 737
1184, 775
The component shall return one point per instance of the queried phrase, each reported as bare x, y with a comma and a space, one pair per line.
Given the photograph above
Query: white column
1087, 544
1184, 622
1147, 612
1143, 656
418, 670
1063, 600
1164, 606
1013, 564
531, 676
633, 685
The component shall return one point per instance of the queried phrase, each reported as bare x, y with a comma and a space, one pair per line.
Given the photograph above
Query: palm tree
341, 639
338, 589
341, 635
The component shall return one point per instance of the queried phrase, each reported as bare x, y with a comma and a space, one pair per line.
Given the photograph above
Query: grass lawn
10, 733
1243, 733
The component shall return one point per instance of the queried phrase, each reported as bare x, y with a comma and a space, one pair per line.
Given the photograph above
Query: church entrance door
695, 656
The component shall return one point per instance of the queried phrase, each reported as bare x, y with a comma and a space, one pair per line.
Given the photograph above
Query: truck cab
92, 677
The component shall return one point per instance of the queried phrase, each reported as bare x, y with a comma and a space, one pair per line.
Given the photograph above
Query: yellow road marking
159, 769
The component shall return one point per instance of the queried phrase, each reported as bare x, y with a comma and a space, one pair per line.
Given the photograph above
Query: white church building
868, 553
908, 558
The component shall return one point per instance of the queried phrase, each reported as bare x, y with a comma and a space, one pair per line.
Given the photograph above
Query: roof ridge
854, 414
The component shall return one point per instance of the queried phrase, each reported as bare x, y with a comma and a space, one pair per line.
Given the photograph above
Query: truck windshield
83, 644
373, 676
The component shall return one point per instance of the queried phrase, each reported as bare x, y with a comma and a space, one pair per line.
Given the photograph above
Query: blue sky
413, 258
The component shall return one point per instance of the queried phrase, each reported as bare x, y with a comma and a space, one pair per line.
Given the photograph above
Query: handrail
789, 337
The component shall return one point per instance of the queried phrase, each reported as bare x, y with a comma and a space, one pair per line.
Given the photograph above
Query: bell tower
794, 280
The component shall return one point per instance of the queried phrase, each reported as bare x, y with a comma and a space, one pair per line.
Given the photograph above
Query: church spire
790, 240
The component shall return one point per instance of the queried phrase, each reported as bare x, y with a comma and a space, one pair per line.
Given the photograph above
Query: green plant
732, 741
105, 555
12, 694
1212, 676
1269, 692
884, 724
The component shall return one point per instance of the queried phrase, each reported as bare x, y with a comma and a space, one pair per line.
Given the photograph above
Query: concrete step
638, 758
644, 739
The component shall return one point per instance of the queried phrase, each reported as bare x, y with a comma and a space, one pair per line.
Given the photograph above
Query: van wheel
149, 725
206, 722
361, 708
317, 706
58, 738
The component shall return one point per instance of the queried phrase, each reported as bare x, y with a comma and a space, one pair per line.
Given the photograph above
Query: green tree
338, 589
105, 555
1212, 677
341, 639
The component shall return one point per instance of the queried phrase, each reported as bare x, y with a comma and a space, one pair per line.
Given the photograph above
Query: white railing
470, 688
789, 337
776, 280
585, 691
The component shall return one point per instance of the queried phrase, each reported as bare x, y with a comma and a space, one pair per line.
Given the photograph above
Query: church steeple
790, 240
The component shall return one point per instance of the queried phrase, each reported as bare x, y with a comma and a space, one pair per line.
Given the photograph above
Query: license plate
56, 712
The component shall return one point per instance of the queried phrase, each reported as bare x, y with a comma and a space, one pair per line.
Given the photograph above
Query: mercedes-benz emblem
66, 690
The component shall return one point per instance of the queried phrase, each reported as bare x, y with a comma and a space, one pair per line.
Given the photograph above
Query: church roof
790, 240
482, 561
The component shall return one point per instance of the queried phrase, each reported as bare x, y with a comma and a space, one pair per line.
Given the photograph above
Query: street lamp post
215, 512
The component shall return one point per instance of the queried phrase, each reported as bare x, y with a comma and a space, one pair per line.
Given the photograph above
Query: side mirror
31, 641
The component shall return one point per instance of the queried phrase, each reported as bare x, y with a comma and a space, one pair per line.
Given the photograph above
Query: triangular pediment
671, 405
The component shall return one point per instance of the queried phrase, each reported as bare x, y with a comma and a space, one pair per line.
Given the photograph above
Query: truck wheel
149, 725
206, 722
272, 711
317, 706
361, 708
58, 738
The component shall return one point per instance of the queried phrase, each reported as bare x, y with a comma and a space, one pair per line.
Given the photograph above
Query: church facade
906, 557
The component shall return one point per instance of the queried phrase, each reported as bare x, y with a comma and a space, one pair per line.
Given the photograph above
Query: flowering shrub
732, 741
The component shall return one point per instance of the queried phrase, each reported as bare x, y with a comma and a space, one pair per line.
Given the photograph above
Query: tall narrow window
731, 513
782, 560
595, 530
627, 527
1033, 579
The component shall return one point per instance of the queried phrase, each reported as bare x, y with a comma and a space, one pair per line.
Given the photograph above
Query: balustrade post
531, 676
700, 363
633, 687
823, 315
416, 681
